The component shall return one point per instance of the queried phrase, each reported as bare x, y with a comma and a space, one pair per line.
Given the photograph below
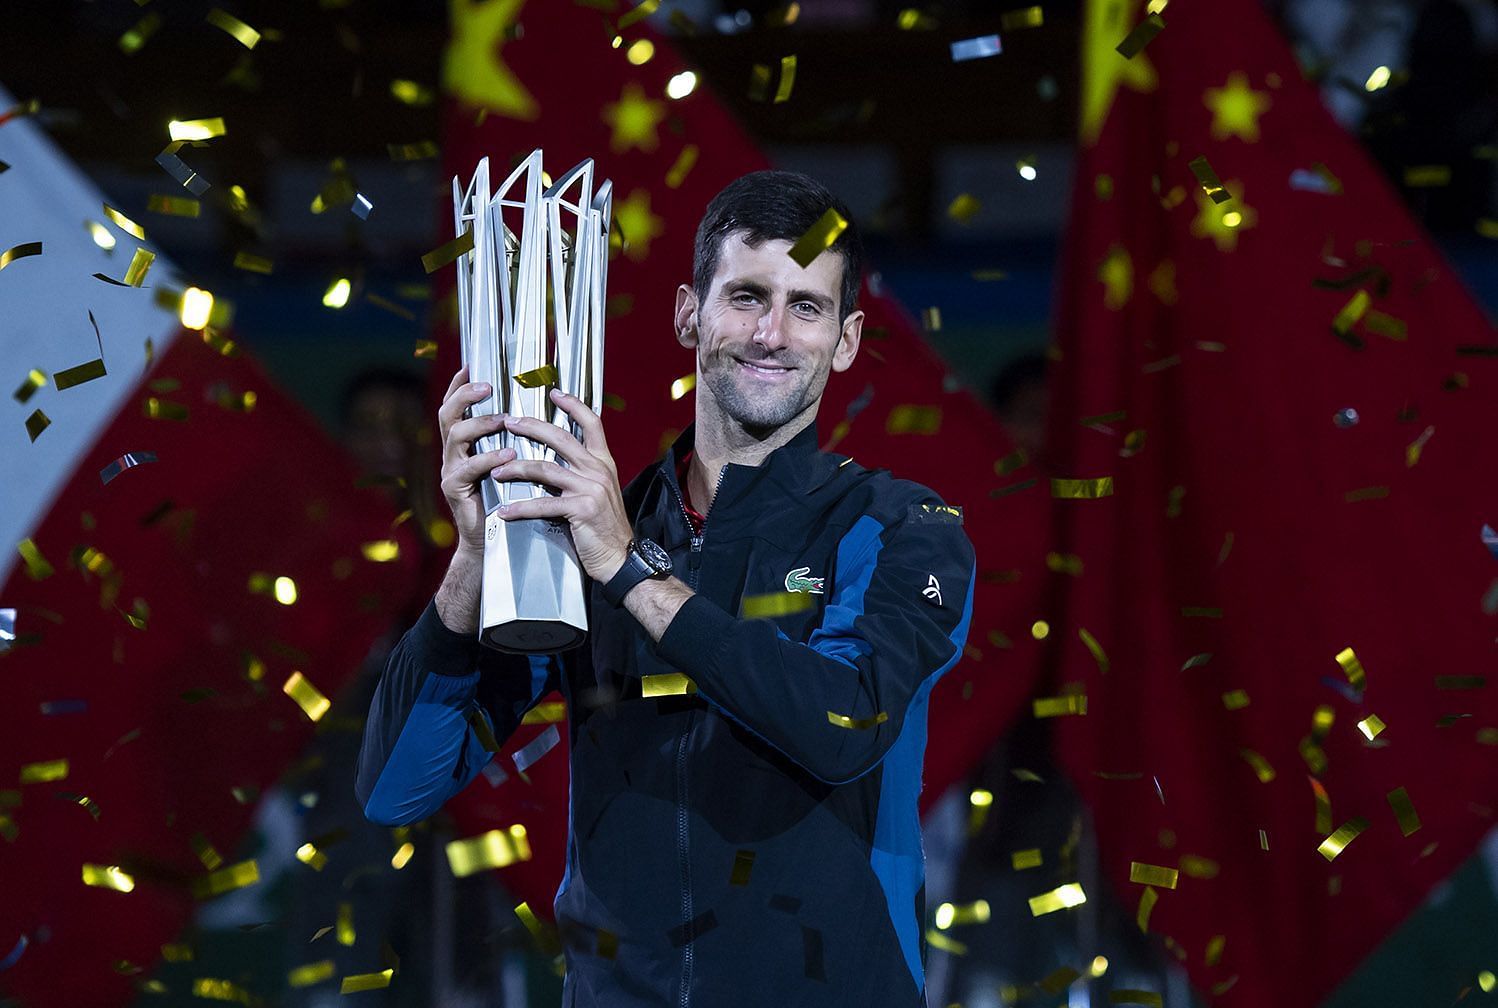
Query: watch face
657, 558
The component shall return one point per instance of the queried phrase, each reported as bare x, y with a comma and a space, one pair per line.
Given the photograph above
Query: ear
686, 316
847, 342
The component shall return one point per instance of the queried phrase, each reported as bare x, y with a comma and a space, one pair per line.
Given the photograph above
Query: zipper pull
696, 544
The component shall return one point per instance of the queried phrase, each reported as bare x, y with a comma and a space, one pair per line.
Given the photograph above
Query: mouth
764, 370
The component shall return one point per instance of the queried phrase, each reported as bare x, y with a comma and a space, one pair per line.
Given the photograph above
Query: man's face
767, 335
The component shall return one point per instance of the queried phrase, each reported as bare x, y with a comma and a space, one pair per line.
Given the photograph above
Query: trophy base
533, 601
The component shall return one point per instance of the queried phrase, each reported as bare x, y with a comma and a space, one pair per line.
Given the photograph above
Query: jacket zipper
682, 844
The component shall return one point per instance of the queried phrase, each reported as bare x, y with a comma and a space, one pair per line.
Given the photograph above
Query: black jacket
754, 840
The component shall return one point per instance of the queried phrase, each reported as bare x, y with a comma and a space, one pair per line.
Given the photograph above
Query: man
752, 839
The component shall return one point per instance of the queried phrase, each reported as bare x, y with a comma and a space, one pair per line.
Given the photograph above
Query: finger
538, 507
545, 473
464, 433
459, 377
452, 408
587, 421
558, 440
478, 467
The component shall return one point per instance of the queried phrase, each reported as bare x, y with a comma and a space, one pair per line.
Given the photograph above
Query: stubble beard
757, 410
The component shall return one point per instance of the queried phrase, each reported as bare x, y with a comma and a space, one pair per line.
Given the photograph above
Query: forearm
654, 604
458, 597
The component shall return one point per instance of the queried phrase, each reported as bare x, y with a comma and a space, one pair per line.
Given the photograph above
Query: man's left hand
590, 502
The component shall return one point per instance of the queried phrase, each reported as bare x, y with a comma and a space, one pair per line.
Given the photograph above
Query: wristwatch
644, 559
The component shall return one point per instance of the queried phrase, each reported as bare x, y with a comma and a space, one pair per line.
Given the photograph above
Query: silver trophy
527, 242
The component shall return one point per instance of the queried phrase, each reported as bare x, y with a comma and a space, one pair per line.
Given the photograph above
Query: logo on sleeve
932, 591
797, 581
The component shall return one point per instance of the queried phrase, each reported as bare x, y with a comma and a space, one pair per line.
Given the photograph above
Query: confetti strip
36, 379
344, 925
1024, 17
976, 48
129, 460
1147, 901
1352, 668
911, 419
683, 385
1210, 183
544, 375
858, 724
1323, 806
1098, 655
307, 696
36, 423
644, 10
1060, 706
237, 29
1338, 841
124, 223
1060, 898
1030, 857
136, 36
182, 130
1370, 726
494, 849
446, 253
1235, 699
1153, 875
528, 754
178, 169
140, 265
236, 876
818, 238
21, 251
549, 712
1082, 489
666, 684
1261, 766
108, 877
787, 79
1137, 997
77, 375
743, 864
1144, 33
683, 164
776, 604
1404, 811
381, 550
356, 982
212, 860
37, 567
312, 973
44, 772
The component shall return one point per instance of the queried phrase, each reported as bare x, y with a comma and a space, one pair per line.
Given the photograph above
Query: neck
718, 440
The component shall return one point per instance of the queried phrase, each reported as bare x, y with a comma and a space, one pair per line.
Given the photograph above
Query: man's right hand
463, 471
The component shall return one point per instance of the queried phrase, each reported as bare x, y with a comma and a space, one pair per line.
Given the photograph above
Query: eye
745, 298
806, 308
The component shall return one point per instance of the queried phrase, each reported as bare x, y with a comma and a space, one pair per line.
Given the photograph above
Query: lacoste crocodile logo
797, 581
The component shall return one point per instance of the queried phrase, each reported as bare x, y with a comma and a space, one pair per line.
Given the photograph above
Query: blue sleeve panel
897, 618
420, 747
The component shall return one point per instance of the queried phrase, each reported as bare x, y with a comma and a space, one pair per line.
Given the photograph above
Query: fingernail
484, 387
504, 508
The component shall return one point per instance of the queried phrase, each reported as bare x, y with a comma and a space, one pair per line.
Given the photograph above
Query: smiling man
748, 718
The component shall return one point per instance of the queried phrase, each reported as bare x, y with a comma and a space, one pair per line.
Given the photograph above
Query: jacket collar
797, 466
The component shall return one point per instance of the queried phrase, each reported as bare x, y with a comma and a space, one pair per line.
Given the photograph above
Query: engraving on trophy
531, 298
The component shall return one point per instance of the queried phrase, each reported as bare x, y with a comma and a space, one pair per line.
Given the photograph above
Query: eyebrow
817, 298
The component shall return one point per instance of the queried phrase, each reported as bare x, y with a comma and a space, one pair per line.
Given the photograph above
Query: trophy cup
527, 242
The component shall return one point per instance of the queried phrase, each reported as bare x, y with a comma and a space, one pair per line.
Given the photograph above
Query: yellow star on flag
1117, 275
1103, 67
1236, 108
1223, 221
638, 224
634, 119
471, 67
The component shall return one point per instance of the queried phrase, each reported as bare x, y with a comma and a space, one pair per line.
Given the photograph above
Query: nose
769, 334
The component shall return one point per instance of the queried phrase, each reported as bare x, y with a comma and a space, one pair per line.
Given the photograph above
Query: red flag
1279, 625
553, 80
192, 552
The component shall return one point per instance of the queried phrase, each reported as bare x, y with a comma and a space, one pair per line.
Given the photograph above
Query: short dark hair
769, 206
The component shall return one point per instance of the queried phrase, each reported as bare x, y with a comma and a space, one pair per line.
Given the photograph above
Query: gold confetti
124, 223
78, 374
1139, 997
1009, 463
546, 374
858, 724
1235, 699
549, 712
1351, 667
236, 876
1060, 706
946, 943
37, 422
37, 567
237, 29
1082, 489
818, 238
178, 169
1210, 183
308, 697
215, 989
140, 265
644, 10
907, 418
447, 252
1147, 901
45, 771
1060, 898
343, 925
494, 849
312, 973
176, 952
1214, 949
160, 409
1153, 875
402, 855
1144, 33
776, 604
1095, 648
136, 36
683, 385
1195, 866
1414, 448
22, 251
356, 982
1056, 981
1404, 811
683, 164
108, 877
1030, 857
1366, 493
931, 319
743, 864
1323, 806
1338, 841
1064, 563
1370, 726
787, 80
1427, 176
1351, 312
1261, 766
173, 206
195, 129
1024, 17
419, 151
666, 684
381, 550
309, 855
35, 379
